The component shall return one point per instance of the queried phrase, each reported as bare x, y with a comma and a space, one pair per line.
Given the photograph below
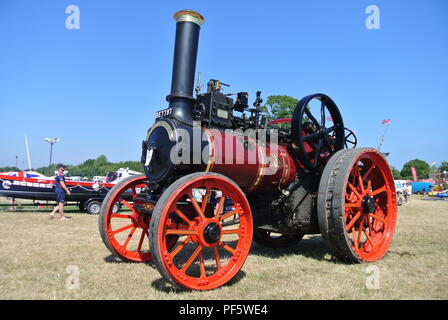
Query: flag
330, 118
386, 121
414, 174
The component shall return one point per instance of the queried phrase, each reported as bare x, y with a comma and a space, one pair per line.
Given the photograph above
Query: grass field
39, 256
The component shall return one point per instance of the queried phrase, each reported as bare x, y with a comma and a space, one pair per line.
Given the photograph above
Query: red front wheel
357, 205
125, 233
209, 217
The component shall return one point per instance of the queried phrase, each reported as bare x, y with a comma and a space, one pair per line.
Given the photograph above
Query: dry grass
35, 252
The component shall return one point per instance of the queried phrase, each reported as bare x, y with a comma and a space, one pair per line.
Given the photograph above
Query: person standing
12, 203
59, 188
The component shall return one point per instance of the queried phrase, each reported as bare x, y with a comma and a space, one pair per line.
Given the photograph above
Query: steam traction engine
209, 188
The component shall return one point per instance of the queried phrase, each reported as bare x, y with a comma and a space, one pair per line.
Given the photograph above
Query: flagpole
27, 151
384, 133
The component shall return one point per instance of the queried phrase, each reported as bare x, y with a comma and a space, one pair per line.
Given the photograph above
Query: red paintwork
370, 233
283, 120
197, 215
138, 223
51, 181
248, 166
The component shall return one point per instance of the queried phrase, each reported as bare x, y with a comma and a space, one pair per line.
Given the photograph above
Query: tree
421, 167
396, 173
8, 169
279, 107
443, 166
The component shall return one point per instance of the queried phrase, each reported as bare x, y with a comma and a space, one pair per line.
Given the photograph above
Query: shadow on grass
113, 259
194, 270
46, 210
164, 286
312, 247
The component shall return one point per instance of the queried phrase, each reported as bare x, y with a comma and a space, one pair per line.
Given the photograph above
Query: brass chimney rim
189, 16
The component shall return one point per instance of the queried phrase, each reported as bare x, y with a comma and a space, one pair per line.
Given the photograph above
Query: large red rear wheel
125, 233
209, 217
357, 206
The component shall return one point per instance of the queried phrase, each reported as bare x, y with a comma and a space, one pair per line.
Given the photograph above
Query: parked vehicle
87, 195
422, 187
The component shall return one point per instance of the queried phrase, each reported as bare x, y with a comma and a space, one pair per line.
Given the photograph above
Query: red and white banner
386, 121
414, 174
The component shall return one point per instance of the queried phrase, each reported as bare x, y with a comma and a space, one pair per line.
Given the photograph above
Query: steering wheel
314, 141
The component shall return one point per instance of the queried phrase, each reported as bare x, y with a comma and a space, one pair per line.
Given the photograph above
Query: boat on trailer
87, 195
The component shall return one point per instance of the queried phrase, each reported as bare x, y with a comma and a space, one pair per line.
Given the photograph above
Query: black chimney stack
188, 24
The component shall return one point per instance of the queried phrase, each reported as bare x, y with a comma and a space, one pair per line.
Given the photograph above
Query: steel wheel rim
370, 187
193, 230
136, 227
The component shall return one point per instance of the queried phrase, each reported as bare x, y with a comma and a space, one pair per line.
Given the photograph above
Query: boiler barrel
179, 149
253, 166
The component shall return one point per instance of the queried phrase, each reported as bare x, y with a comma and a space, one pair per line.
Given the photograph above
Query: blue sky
97, 88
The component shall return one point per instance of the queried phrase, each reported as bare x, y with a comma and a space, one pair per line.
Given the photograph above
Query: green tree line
89, 168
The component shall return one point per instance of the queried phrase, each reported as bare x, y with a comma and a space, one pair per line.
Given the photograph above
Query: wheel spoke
122, 216
328, 143
220, 206
353, 205
354, 173
378, 191
217, 258
361, 227
374, 216
228, 214
180, 246
227, 248
122, 229
196, 205
308, 113
352, 222
322, 113
332, 128
368, 172
360, 182
316, 156
182, 216
369, 224
205, 199
231, 231
127, 204
181, 232
140, 243
191, 259
355, 239
354, 190
369, 238
311, 136
369, 185
202, 265
131, 233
